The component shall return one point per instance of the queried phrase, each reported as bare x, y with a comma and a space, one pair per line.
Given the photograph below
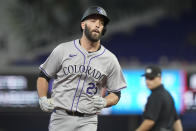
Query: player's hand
99, 102
46, 104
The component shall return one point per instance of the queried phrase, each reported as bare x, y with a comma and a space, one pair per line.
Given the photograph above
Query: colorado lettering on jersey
80, 69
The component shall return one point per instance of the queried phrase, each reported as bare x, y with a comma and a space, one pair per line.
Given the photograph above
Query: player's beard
89, 34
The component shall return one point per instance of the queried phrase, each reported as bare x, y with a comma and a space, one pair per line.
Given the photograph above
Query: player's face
153, 82
93, 28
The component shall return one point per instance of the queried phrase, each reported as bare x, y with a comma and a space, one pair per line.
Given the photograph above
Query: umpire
160, 113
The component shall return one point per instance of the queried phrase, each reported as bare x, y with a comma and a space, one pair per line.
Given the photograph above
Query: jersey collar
101, 49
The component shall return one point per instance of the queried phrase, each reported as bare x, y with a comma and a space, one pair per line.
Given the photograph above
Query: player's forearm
42, 86
177, 125
146, 125
111, 99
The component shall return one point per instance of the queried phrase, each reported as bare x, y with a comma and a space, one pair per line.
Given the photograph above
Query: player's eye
93, 20
150, 78
102, 23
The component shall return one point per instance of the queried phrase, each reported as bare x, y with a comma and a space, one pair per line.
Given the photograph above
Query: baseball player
81, 69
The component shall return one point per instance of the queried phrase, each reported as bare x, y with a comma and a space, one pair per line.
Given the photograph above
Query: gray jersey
79, 75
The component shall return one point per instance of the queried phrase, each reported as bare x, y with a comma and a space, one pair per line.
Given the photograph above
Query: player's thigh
62, 122
88, 127
88, 124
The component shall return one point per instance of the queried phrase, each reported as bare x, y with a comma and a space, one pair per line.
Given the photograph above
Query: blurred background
142, 32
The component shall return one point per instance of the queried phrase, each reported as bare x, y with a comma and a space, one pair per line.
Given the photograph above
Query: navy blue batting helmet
93, 10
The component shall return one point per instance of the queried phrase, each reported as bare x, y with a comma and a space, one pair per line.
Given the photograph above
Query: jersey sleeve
52, 63
152, 108
115, 80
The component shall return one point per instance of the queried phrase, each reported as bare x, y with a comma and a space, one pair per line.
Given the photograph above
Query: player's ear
82, 25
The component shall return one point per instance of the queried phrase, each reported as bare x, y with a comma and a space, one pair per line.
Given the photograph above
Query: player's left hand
99, 102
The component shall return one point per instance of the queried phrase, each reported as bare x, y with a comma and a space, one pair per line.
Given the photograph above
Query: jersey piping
86, 76
80, 76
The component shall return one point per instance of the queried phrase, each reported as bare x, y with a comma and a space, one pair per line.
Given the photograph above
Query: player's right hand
46, 104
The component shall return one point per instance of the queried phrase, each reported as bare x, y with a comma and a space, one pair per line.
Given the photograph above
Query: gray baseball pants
61, 121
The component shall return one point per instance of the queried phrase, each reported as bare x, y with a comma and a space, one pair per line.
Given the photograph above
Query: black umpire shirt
160, 108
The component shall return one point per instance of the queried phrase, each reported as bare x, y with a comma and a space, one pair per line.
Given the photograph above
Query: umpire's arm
146, 125
178, 125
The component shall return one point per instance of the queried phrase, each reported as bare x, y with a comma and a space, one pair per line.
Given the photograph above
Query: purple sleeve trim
86, 76
44, 72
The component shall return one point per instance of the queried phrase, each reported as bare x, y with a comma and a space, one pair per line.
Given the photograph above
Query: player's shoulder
110, 54
66, 44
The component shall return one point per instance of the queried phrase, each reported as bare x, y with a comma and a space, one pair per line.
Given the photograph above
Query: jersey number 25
92, 89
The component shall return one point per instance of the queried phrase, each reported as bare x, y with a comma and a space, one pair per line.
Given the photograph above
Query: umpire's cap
93, 10
152, 71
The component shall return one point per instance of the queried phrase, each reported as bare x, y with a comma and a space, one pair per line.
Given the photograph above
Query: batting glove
46, 104
99, 102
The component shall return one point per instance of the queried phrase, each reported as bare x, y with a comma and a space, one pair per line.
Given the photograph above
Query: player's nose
98, 23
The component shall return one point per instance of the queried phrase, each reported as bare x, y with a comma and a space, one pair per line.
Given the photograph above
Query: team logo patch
148, 70
101, 11
72, 55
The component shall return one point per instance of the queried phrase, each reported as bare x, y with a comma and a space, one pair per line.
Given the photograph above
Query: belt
74, 113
